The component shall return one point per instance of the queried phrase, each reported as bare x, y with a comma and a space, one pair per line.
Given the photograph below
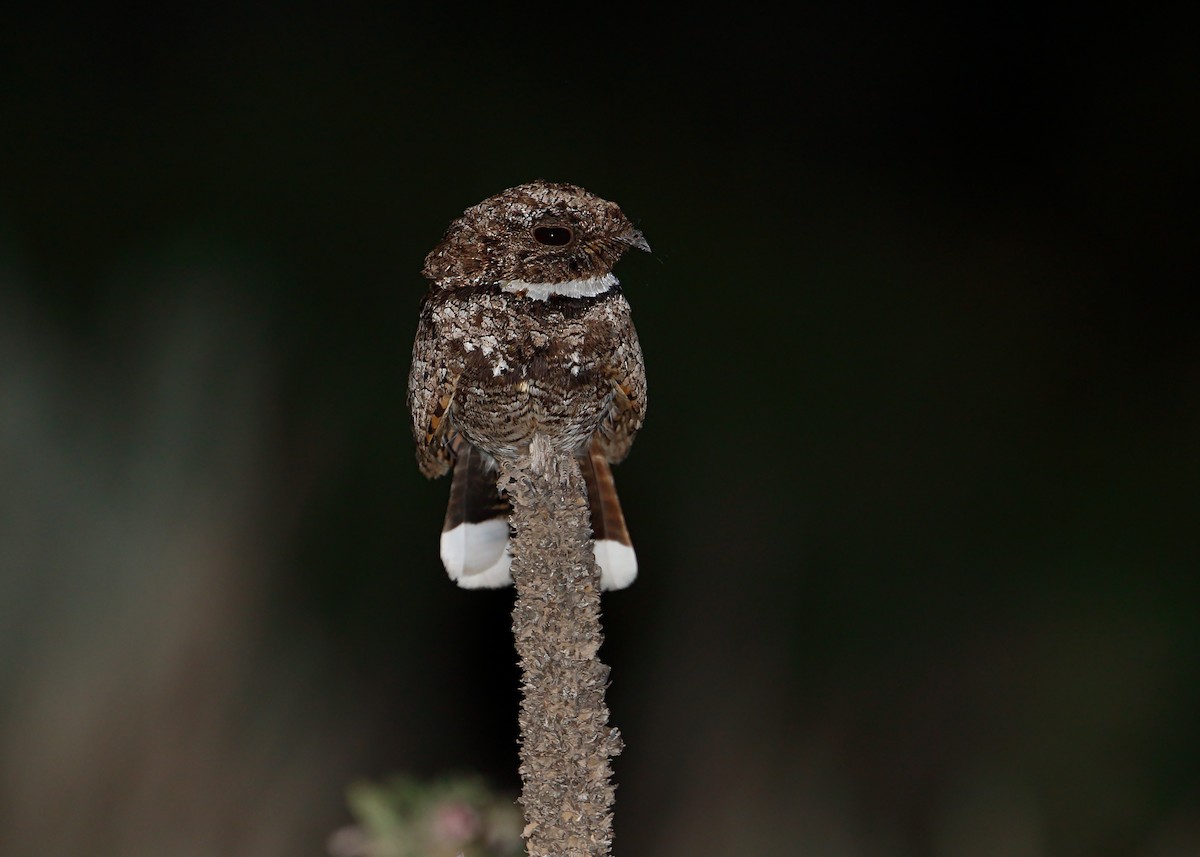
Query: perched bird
525, 330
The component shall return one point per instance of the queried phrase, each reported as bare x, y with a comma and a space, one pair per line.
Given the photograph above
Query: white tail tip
618, 564
476, 555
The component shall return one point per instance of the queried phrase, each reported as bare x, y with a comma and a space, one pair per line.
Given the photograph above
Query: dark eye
554, 236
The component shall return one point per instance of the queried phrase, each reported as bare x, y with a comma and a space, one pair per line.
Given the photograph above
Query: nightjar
525, 330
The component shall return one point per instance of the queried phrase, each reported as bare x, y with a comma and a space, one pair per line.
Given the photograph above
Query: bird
525, 330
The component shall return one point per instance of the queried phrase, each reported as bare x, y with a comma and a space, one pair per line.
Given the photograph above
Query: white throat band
587, 288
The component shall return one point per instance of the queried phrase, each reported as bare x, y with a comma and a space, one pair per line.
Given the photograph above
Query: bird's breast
531, 371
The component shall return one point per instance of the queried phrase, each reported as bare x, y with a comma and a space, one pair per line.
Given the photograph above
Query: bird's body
526, 331
525, 366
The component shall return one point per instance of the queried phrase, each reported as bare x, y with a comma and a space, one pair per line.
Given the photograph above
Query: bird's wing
627, 372
431, 385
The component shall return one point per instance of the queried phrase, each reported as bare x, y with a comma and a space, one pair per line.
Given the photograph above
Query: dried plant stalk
566, 742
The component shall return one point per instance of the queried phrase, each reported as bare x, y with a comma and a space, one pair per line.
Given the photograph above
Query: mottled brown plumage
525, 330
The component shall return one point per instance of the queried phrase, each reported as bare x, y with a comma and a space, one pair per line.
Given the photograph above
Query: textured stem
566, 743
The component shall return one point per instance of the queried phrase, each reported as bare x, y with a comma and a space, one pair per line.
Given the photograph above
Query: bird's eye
553, 236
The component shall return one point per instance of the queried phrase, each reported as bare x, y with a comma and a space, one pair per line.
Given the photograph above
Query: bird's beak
634, 238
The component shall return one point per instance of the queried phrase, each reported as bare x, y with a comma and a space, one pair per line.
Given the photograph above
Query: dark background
916, 501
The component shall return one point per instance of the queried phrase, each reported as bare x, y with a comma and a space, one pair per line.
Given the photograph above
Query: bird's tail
475, 534
614, 549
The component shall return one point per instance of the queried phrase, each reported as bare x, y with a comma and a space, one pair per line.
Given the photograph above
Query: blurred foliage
403, 817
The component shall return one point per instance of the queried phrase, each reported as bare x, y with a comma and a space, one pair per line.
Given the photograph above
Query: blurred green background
916, 501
